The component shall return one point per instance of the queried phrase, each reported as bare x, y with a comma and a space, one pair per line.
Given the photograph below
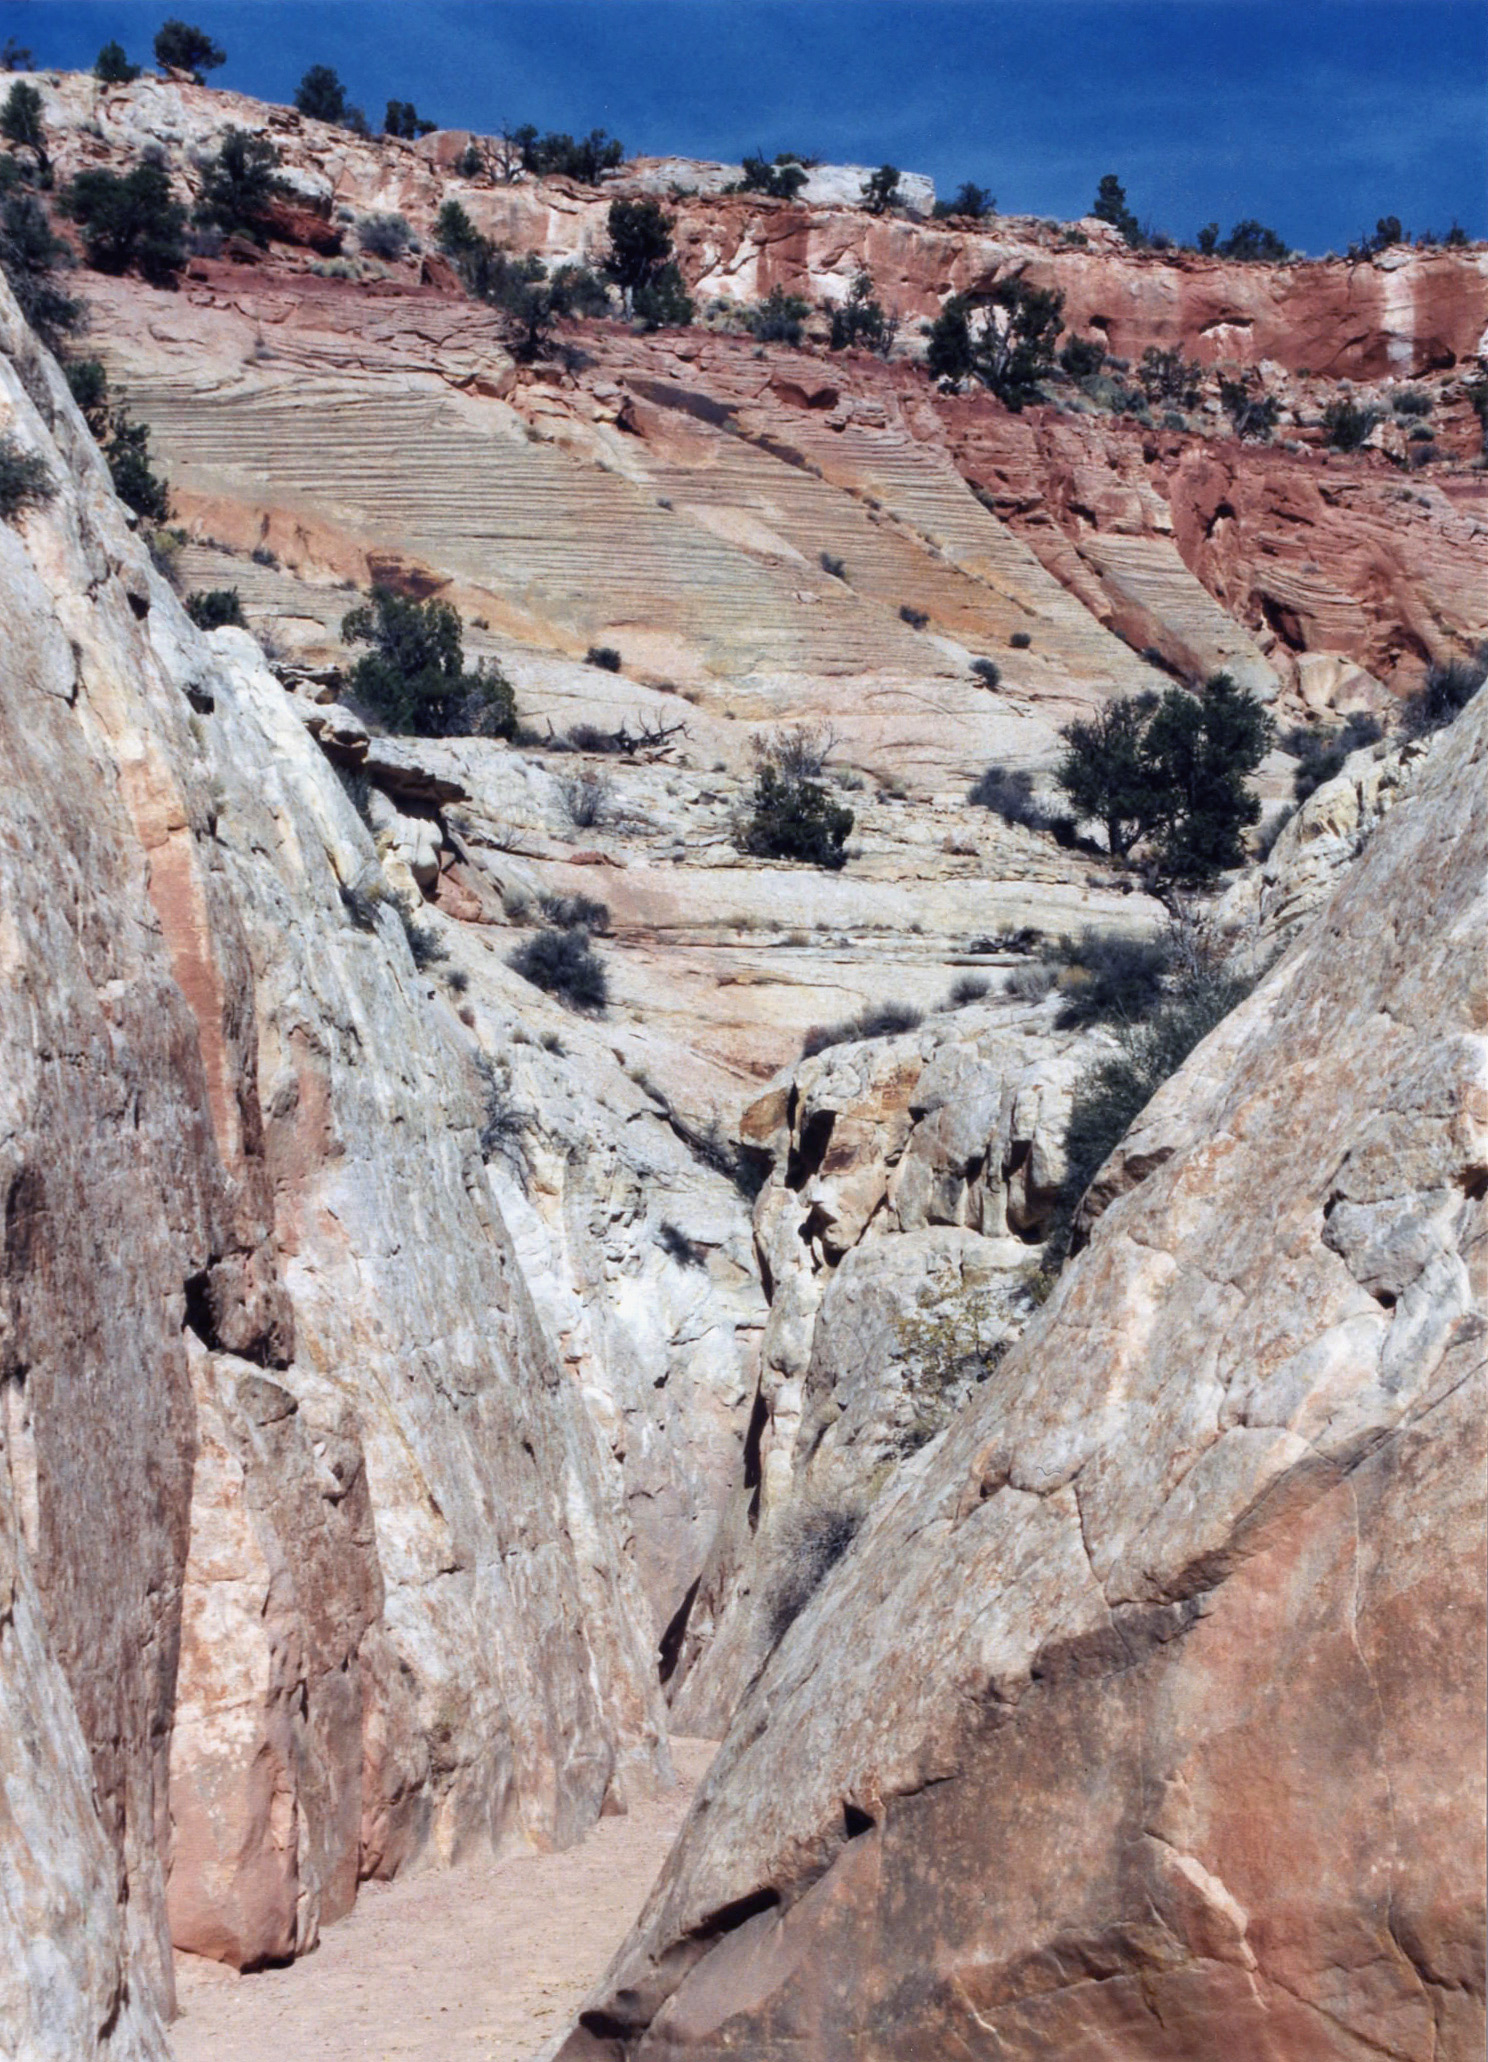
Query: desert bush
778, 318
797, 752
1322, 751
1030, 983
969, 201
1445, 693
1252, 412
1169, 376
1411, 401
970, 988
414, 678
1008, 792
586, 159
262, 556
860, 320
1083, 357
1116, 979
1252, 243
384, 236
504, 1128
361, 899
424, 942
565, 964
810, 1544
881, 191
915, 618
887, 1020
87, 382
640, 263
575, 912
111, 67
137, 484
31, 257
25, 481
22, 126
128, 220
213, 607
835, 566
792, 817
586, 799
239, 185
603, 655
1346, 426
1009, 349
781, 180
182, 47
987, 671
678, 1246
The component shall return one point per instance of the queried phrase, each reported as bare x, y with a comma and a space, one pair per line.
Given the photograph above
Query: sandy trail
485, 1962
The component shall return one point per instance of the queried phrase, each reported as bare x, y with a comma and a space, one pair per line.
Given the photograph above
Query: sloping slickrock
288, 1453
1145, 1718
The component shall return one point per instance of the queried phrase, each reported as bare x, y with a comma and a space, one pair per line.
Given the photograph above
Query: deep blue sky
1315, 115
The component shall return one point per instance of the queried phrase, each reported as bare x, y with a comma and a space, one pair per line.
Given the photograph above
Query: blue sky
1317, 116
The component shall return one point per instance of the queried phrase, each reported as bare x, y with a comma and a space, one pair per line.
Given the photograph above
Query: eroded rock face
1146, 1714
291, 1465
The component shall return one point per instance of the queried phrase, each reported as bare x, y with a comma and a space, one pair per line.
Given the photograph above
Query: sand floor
484, 1962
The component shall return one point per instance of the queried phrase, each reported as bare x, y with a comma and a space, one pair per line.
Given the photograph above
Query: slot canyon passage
588, 1469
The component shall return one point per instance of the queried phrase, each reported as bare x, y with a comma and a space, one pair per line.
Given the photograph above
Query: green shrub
1169, 376
915, 618
1411, 401
181, 47
860, 321
30, 257
213, 608
112, 68
987, 671
1253, 243
320, 95
970, 988
887, 1020
781, 181
565, 964
1008, 793
640, 263
1117, 979
1347, 428
586, 160
129, 220
835, 566
424, 942
1020, 641
1321, 752
414, 678
517, 286
403, 119
384, 236
677, 1246
1252, 412
587, 799
25, 481
21, 124
137, 484
970, 202
239, 185
778, 318
881, 190
1171, 770
1083, 357
1446, 692
575, 913
504, 1128
87, 382
604, 656
795, 818
1009, 349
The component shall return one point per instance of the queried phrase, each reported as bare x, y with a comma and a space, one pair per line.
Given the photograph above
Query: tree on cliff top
1110, 206
882, 191
320, 95
111, 67
182, 47
21, 124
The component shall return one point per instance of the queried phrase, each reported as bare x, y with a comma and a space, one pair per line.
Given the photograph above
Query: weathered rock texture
1146, 1715
326, 1553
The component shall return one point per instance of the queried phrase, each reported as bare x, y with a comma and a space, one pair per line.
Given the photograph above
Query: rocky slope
1181, 1620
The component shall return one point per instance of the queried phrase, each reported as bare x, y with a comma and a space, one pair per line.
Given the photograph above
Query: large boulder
1145, 1716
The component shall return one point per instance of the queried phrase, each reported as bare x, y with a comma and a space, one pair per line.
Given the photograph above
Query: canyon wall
312, 1552
1146, 1712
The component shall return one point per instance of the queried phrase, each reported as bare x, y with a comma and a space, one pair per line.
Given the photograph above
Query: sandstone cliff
1146, 1713
313, 1560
